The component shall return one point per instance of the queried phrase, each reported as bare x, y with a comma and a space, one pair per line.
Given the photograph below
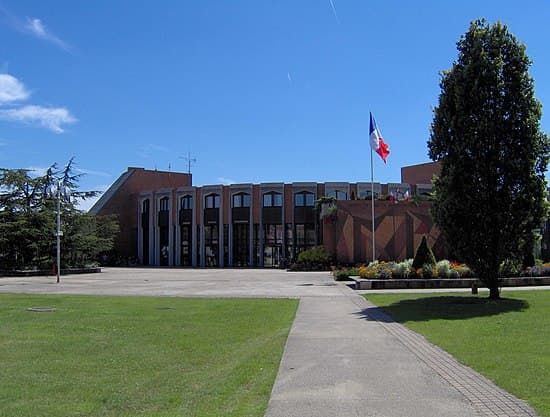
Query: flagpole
372, 205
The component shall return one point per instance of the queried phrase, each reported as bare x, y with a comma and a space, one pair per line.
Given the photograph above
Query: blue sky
256, 91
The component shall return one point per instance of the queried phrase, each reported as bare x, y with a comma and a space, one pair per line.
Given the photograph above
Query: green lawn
508, 341
139, 356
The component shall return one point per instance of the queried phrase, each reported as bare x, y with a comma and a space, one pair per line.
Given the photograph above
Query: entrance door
272, 256
185, 244
241, 246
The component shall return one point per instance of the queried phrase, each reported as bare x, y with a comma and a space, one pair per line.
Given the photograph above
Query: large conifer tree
491, 192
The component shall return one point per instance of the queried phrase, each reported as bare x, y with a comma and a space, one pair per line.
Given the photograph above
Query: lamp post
56, 192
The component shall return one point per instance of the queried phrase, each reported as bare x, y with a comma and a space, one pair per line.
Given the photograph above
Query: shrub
402, 269
424, 255
460, 270
542, 270
428, 271
443, 269
344, 274
510, 268
454, 274
316, 259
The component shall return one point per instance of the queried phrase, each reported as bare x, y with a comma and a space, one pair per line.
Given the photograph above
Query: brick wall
420, 174
124, 203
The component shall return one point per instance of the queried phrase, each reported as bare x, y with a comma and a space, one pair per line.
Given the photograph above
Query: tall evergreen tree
491, 191
28, 216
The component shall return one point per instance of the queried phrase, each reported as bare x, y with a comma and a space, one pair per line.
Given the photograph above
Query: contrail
334, 11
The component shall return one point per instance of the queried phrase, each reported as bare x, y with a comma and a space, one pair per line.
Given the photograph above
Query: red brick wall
399, 229
288, 203
256, 204
420, 174
125, 203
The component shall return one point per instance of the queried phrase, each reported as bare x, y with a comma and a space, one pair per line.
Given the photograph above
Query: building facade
166, 221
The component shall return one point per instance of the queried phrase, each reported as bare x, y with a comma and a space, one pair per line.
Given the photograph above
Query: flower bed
441, 270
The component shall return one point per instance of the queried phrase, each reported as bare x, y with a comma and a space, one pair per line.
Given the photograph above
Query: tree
490, 194
424, 255
27, 221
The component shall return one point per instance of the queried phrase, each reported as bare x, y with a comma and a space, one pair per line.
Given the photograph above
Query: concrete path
338, 363
344, 357
177, 282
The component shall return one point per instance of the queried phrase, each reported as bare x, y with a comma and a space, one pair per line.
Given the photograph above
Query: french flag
376, 142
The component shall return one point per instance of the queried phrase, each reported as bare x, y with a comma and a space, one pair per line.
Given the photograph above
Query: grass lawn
140, 356
507, 341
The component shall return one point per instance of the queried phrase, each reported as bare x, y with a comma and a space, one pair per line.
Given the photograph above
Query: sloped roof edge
107, 195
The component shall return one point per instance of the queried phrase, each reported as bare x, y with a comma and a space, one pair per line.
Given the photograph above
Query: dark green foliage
313, 259
490, 195
28, 221
424, 255
344, 274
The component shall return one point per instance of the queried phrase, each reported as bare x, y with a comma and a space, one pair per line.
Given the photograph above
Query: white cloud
36, 28
38, 171
49, 117
87, 204
11, 89
334, 11
226, 181
92, 172
30, 26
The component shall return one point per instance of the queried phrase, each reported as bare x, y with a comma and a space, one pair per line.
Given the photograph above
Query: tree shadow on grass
442, 308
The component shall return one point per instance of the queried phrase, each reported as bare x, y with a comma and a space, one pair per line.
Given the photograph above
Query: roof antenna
190, 161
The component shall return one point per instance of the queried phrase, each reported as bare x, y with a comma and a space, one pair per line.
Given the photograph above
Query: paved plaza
344, 357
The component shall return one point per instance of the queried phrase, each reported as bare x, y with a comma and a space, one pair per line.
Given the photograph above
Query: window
273, 199
212, 201
186, 202
211, 246
241, 200
366, 195
145, 206
305, 237
164, 204
304, 199
273, 234
338, 195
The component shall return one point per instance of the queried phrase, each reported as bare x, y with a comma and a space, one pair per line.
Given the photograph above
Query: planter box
390, 284
43, 272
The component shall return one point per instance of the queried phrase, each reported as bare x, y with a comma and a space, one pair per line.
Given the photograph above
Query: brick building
122, 197
166, 221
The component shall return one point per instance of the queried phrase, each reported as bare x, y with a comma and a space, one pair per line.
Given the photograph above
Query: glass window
186, 202
273, 234
304, 199
164, 203
338, 195
241, 200
212, 201
273, 199
300, 234
145, 206
310, 235
237, 200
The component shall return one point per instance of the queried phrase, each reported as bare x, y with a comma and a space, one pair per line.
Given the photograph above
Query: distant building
122, 198
166, 221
